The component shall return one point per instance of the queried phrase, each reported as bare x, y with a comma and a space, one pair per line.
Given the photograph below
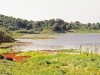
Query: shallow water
62, 41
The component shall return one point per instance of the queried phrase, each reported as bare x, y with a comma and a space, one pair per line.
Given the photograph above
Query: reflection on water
63, 41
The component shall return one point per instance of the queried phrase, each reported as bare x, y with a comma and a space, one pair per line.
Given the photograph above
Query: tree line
54, 25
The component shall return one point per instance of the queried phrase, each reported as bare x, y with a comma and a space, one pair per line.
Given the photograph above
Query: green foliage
16, 35
29, 53
5, 36
5, 51
46, 26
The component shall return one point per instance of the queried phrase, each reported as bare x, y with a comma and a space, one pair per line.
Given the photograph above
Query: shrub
1, 57
5, 36
48, 62
9, 58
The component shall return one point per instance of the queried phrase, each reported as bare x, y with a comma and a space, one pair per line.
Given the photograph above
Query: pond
62, 41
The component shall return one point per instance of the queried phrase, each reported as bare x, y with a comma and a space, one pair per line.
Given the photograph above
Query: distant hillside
46, 26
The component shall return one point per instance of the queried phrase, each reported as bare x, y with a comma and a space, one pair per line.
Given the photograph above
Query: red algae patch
16, 58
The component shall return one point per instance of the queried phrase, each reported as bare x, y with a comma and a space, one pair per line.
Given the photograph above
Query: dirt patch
16, 58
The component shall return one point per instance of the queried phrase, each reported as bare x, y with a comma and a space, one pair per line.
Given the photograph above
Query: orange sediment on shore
14, 57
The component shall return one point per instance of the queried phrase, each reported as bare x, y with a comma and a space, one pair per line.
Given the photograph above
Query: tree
60, 21
51, 22
29, 26
56, 27
20, 24
77, 23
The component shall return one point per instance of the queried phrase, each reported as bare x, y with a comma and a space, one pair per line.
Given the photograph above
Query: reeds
90, 48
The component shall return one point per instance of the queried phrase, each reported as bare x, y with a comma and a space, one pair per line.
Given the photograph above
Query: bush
48, 62
5, 36
1, 57
9, 58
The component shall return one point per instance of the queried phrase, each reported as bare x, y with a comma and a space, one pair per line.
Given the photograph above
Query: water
62, 41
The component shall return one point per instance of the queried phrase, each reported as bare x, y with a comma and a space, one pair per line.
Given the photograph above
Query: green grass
5, 51
61, 63
83, 31
16, 35
6, 45
38, 37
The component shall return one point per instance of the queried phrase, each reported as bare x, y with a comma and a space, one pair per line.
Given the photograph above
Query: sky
84, 11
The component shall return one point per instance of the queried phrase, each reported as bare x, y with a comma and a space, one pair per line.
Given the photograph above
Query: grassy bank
16, 35
38, 37
83, 31
6, 45
5, 51
60, 63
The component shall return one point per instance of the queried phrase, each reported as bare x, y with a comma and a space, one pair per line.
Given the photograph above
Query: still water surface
62, 41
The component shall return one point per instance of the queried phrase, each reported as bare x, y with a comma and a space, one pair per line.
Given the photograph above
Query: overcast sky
69, 10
